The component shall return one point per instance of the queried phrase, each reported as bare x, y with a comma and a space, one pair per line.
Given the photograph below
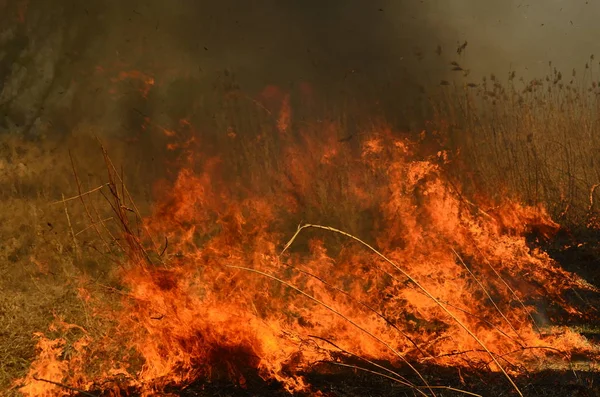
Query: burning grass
406, 272
537, 138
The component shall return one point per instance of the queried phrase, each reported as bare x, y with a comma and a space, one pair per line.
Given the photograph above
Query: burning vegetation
402, 272
286, 242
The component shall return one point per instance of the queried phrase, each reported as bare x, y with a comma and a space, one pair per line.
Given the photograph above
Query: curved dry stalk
125, 193
369, 371
64, 200
564, 354
408, 276
363, 304
512, 291
485, 291
482, 320
333, 310
393, 325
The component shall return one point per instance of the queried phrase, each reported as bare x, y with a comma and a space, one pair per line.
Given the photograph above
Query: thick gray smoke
68, 65
60, 58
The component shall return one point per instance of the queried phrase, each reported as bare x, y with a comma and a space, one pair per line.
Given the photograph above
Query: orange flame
450, 282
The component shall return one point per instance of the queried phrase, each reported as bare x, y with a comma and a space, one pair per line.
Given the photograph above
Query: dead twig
75, 245
64, 200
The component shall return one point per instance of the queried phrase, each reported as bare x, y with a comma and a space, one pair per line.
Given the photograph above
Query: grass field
537, 141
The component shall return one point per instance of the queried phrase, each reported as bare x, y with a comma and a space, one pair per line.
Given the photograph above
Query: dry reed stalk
361, 303
85, 206
74, 239
409, 277
486, 292
338, 313
114, 177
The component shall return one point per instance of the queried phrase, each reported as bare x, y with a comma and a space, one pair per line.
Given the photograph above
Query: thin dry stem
592, 192
377, 313
391, 378
485, 291
408, 276
64, 200
387, 345
512, 291
74, 239
85, 206
92, 225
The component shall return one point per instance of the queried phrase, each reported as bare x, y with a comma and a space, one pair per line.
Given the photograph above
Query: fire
406, 271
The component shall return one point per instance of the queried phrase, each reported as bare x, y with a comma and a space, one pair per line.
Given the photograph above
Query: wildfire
406, 271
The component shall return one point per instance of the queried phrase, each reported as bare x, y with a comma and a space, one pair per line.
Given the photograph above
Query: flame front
406, 270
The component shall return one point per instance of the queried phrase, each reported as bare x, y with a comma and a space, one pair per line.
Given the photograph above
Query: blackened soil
332, 381
577, 252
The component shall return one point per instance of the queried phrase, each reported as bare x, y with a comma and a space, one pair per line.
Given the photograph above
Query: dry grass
538, 139
40, 267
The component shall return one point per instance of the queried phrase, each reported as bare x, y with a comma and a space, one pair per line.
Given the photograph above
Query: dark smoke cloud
52, 51
59, 59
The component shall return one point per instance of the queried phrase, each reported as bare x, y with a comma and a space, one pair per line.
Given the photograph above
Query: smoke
103, 66
523, 36
61, 57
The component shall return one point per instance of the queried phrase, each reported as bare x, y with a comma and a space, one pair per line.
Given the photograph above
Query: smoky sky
519, 35
59, 59
352, 45
52, 51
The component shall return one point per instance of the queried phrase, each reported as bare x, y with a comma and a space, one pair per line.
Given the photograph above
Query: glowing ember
436, 278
